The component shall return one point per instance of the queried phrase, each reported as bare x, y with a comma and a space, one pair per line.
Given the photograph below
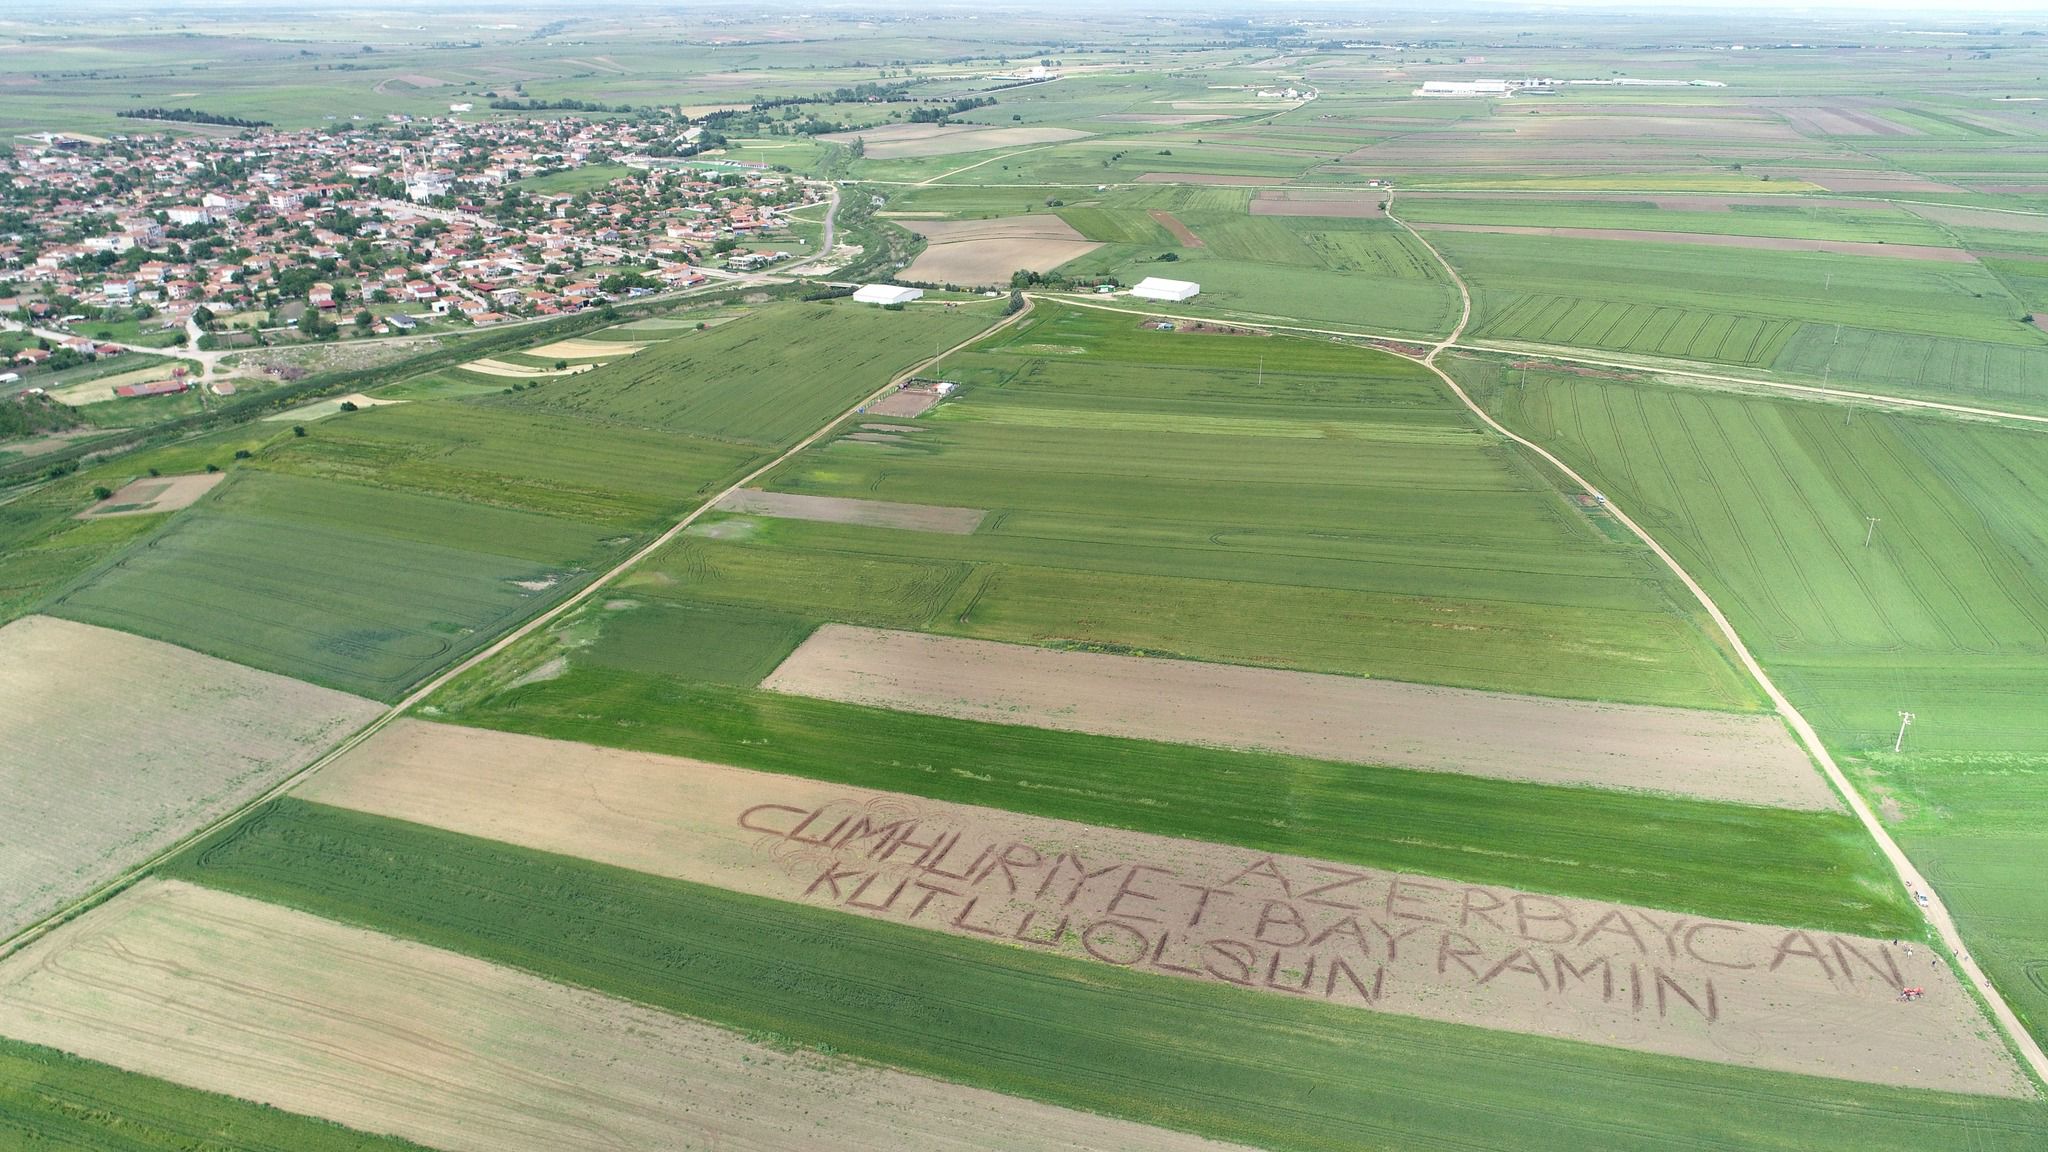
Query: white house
885, 294
1172, 291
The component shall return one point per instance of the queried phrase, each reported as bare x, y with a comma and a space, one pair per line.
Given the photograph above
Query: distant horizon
1886, 10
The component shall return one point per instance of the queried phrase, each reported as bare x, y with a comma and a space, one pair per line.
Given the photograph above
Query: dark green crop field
764, 379
1248, 499
1231, 1064
544, 462
359, 588
677, 678
52, 1101
1943, 613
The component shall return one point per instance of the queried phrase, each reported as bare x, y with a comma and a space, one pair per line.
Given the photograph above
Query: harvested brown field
1836, 181
868, 513
1982, 218
1212, 179
1834, 120
113, 747
490, 367
979, 252
153, 494
232, 995
1182, 234
909, 141
1369, 940
1717, 240
580, 349
1742, 758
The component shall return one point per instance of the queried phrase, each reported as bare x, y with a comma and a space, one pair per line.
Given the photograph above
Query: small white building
1172, 291
885, 294
1464, 88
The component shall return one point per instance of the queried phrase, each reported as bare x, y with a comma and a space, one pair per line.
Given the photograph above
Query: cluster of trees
193, 116
625, 281
944, 113
564, 105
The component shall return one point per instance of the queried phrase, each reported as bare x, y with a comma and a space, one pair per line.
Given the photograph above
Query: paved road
1916, 884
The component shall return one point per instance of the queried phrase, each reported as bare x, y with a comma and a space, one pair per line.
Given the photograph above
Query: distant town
372, 228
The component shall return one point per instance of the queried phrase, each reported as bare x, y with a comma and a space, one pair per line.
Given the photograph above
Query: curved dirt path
1937, 912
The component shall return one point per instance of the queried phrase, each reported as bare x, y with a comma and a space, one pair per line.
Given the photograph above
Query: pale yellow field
231, 995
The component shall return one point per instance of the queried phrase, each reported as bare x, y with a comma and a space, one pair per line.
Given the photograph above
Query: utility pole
1905, 718
1870, 531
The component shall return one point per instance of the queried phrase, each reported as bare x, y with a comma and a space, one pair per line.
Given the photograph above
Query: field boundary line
1936, 911
1782, 385
106, 891
1571, 357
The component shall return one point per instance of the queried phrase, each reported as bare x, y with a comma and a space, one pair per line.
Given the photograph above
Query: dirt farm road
25, 936
1937, 912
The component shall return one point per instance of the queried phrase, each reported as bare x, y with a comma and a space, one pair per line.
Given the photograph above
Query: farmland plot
1939, 614
236, 996
354, 587
761, 380
1197, 911
1709, 755
651, 674
112, 747
1275, 1071
1252, 500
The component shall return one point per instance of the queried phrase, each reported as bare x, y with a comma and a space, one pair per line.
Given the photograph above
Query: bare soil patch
232, 995
490, 367
112, 747
978, 252
577, 349
329, 407
1870, 181
1716, 240
1213, 179
908, 141
1182, 234
1748, 759
1833, 120
1980, 218
869, 513
1606, 974
154, 494
905, 402
95, 391
48, 442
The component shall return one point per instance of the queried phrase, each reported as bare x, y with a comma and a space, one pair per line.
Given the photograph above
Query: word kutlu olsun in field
1660, 981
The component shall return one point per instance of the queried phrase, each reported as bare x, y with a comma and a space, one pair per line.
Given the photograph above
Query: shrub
243, 453
213, 468
298, 429
348, 405
102, 492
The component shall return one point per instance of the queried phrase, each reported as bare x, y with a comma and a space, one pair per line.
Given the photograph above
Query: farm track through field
1569, 356
1908, 873
17, 941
